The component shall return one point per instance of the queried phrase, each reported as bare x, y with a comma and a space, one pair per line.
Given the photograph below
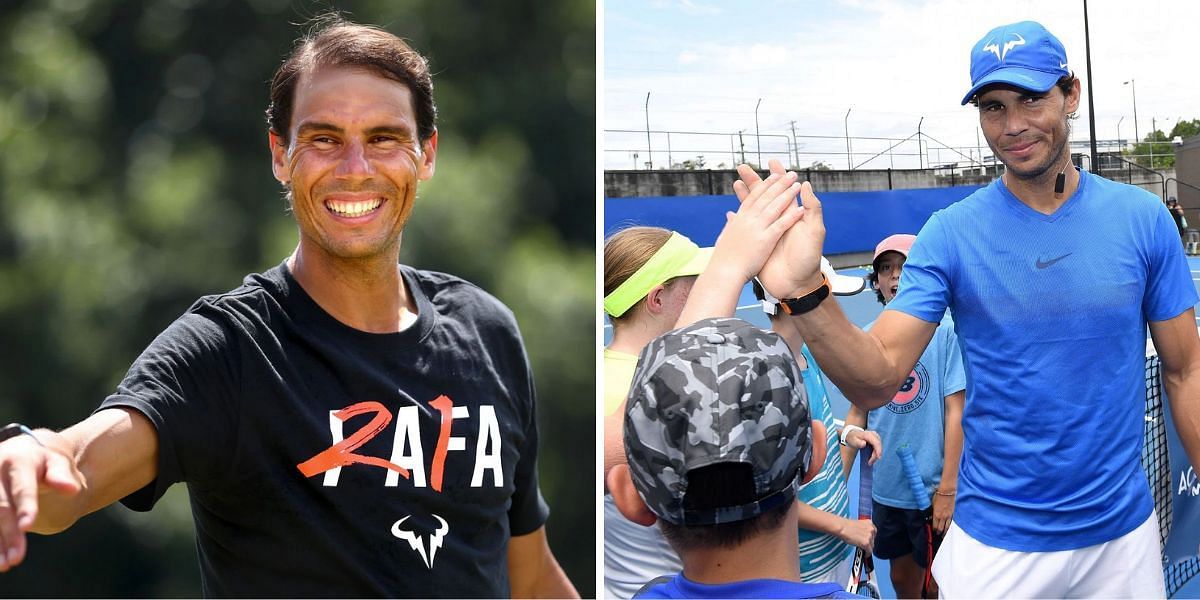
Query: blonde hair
628, 250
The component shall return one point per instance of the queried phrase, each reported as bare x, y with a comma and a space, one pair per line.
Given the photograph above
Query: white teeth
353, 209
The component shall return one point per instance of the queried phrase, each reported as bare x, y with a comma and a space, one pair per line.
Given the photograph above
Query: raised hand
751, 234
748, 239
793, 268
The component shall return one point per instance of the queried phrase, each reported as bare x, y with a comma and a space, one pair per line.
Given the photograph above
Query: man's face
1026, 130
352, 162
887, 270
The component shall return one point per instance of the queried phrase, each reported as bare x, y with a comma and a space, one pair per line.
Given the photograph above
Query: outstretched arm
1179, 348
48, 484
533, 572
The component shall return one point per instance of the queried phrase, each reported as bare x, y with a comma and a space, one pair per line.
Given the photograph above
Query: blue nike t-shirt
681, 587
1051, 314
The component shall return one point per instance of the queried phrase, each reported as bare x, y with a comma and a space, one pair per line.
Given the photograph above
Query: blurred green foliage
134, 178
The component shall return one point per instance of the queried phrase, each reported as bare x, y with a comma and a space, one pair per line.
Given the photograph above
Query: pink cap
900, 242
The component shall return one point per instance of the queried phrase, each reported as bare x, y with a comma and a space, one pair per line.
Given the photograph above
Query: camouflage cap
717, 391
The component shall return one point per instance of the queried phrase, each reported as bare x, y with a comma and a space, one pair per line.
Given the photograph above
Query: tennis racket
917, 485
862, 572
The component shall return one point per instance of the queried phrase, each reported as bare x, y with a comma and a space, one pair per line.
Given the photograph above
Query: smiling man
1052, 275
346, 425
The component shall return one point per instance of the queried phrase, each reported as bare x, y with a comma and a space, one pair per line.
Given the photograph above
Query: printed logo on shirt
1042, 264
408, 456
419, 542
912, 392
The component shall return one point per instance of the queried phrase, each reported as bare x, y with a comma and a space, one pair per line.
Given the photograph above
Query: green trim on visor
677, 258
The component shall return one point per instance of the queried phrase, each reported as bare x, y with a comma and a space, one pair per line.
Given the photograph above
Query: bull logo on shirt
417, 541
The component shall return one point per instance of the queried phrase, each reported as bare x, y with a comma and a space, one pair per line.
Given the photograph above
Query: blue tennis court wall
854, 221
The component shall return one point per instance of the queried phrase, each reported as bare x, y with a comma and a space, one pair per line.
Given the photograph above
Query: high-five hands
794, 266
748, 239
752, 233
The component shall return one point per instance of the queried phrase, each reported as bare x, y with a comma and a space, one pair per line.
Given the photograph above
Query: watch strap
13, 430
807, 302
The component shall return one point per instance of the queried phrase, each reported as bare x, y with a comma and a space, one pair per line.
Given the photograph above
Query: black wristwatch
12, 430
807, 302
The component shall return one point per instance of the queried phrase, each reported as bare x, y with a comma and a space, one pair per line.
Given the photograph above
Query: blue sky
707, 64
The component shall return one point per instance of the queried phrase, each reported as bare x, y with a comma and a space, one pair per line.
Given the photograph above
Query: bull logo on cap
1002, 52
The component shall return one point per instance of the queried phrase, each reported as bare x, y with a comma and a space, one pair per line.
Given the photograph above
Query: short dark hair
721, 485
873, 277
332, 41
1064, 83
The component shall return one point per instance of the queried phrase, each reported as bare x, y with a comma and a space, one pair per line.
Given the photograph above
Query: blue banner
1182, 543
854, 221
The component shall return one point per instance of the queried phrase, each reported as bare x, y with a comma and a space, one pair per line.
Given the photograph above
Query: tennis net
1158, 470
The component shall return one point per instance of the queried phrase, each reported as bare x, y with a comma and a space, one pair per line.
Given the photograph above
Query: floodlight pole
757, 137
920, 155
649, 152
1133, 88
846, 124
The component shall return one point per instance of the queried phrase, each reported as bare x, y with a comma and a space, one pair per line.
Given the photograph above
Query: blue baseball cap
1021, 54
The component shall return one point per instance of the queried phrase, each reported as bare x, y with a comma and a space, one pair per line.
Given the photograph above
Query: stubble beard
1043, 173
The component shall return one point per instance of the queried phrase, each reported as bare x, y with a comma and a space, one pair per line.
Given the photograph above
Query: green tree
135, 179
690, 164
1157, 149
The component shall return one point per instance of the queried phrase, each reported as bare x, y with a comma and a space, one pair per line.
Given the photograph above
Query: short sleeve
529, 510
954, 378
184, 384
924, 283
1169, 288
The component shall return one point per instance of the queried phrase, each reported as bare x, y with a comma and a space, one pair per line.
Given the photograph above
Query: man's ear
428, 156
1074, 96
279, 163
625, 496
819, 450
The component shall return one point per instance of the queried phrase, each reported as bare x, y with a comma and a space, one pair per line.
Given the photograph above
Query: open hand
752, 233
793, 267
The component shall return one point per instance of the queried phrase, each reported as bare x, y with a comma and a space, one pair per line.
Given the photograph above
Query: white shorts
1127, 567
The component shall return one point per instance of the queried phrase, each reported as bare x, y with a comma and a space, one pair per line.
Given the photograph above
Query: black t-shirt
325, 461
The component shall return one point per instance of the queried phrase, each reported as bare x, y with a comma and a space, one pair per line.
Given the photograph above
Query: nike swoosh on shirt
1043, 264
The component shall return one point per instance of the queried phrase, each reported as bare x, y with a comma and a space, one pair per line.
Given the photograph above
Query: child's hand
751, 234
793, 268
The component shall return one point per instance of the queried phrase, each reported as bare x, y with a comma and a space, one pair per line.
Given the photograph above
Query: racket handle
864, 484
915, 483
